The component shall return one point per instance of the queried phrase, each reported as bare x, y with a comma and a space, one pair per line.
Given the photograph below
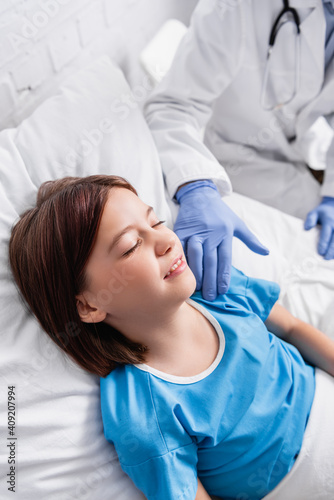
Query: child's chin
192, 284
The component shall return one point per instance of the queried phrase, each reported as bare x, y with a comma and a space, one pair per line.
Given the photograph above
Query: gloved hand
323, 214
206, 225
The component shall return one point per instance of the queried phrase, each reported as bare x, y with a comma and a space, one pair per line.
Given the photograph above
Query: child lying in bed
197, 396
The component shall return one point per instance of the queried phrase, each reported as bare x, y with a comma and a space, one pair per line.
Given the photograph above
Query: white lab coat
216, 81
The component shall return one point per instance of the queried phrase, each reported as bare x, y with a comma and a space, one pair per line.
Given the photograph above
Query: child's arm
201, 493
315, 347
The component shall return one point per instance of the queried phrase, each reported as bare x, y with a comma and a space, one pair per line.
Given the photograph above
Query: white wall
41, 41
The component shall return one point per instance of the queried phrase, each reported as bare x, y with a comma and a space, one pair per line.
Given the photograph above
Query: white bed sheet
312, 476
61, 451
306, 279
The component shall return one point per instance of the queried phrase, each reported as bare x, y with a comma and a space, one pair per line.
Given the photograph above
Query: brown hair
48, 250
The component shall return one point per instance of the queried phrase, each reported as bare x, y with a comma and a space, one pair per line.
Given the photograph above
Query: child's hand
201, 493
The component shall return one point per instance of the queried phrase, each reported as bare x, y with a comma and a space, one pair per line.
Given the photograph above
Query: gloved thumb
311, 220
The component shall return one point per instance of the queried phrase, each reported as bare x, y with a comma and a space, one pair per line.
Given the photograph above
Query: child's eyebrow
119, 235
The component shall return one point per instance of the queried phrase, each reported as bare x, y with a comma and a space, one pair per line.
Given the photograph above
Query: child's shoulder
123, 382
126, 396
245, 293
135, 410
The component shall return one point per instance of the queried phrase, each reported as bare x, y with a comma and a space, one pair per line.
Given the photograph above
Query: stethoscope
274, 30
291, 14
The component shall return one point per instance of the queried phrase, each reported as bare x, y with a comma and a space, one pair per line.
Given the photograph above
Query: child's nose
165, 243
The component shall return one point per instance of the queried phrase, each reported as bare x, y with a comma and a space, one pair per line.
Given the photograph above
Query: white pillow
92, 125
86, 128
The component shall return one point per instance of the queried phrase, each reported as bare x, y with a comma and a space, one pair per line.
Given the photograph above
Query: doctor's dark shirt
329, 38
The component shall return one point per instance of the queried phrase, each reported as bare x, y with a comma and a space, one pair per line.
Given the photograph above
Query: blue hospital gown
239, 425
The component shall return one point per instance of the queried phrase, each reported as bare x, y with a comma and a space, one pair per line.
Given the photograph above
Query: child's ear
89, 313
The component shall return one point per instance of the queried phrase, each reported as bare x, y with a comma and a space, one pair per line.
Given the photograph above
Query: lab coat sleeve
321, 110
327, 188
206, 61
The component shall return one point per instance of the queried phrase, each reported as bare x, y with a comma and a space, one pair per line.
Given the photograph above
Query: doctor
257, 74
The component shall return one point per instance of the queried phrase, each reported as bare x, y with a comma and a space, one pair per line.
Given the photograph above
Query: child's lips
178, 265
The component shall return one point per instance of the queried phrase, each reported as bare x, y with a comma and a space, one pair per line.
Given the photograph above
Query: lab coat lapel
323, 104
313, 29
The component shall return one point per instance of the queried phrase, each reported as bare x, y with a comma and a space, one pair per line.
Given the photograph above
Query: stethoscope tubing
286, 9
273, 33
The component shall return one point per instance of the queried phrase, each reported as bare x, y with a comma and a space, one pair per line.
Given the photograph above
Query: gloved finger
246, 236
210, 261
195, 259
325, 238
183, 243
311, 220
330, 249
224, 264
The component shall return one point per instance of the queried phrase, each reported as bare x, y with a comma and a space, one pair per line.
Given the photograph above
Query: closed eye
159, 223
139, 242
129, 252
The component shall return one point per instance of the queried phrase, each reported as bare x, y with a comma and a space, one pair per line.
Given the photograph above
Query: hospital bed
93, 124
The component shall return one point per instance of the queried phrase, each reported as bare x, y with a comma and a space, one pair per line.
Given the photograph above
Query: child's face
129, 272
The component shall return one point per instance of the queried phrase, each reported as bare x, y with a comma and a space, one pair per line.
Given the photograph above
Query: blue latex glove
323, 214
206, 225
